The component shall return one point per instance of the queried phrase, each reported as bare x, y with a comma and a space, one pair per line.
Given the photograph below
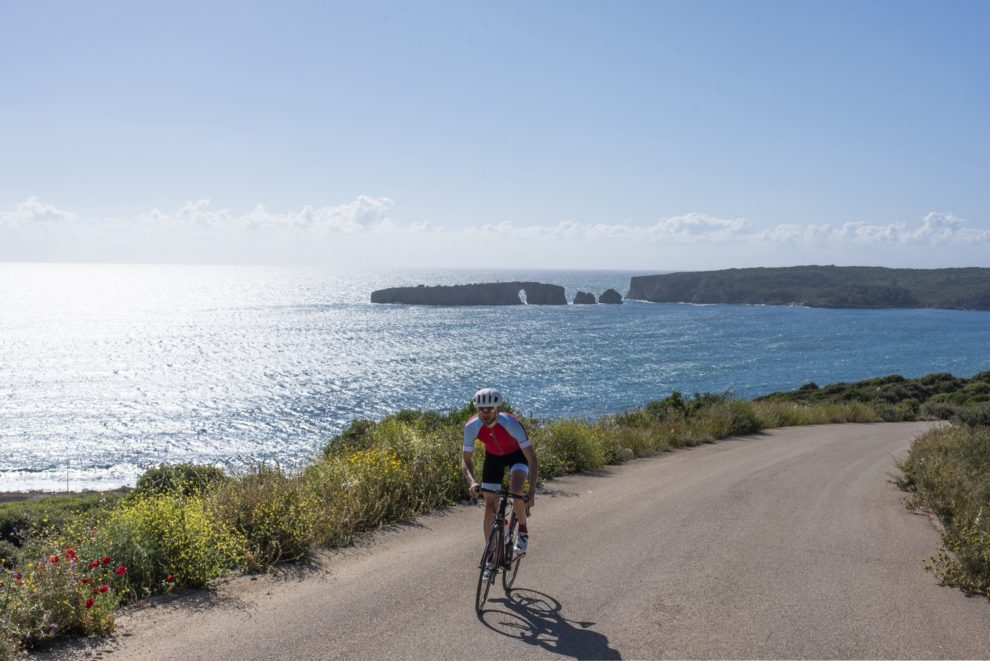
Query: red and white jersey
504, 437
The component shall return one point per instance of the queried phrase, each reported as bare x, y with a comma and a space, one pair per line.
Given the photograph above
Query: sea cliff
822, 286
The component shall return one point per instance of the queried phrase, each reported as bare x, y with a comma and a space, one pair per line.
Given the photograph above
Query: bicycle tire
510, 570
509, 573
489, 558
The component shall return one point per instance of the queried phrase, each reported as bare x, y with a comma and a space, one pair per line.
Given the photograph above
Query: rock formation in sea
611, 297
487, 293
583, 298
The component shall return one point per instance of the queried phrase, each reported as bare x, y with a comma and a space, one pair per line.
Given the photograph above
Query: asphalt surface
789, 544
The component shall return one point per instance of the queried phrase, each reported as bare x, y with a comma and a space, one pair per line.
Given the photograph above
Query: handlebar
505, 492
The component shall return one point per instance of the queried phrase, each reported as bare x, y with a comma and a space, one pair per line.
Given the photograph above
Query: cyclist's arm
534, 472
467, 467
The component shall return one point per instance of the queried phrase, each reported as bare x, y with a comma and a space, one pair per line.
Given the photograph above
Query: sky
660, 135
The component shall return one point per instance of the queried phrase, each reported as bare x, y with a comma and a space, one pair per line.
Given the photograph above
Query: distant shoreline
849, 287
17, 496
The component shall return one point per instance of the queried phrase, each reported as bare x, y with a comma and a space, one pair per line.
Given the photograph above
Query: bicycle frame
499, 550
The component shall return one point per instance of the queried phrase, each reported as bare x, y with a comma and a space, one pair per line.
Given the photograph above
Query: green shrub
60, 594
570, 445
632, 441
10, 554
274, 514
938, 409
359, 491
10, 647
356, 436
964, 560
187, 479
21, 519
169, 534
974, 415
673, 404
948, 471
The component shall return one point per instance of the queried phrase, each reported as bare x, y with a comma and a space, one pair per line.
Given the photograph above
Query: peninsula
489, 293
822, 287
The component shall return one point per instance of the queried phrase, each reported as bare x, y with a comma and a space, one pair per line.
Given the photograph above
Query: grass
184, 526
948, 473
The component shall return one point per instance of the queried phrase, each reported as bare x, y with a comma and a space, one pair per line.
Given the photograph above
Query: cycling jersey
504, 437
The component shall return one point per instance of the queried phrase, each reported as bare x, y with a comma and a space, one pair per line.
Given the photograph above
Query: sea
107, 370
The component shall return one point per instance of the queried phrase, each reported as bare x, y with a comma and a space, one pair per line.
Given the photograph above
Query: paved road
789, 544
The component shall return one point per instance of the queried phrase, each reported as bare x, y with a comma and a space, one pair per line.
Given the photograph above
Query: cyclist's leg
491, 478
517, 483
491, 504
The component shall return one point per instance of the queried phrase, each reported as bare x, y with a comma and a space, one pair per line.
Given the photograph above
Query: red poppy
104, 588
121, 570
85, 580
53, 559
96, 590
89, 602
70, 554
169, 578
93, 564
106, 560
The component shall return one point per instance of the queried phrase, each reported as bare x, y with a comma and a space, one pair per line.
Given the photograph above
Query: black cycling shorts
495, 466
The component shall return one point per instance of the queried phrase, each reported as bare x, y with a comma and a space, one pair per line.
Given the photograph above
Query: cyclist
506, 447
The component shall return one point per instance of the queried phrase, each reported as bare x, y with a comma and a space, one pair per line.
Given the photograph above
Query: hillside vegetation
67, 562
822, 286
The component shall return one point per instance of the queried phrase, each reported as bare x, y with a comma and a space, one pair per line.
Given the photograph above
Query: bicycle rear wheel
489, 560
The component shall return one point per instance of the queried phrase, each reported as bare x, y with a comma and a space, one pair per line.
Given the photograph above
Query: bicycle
499, 556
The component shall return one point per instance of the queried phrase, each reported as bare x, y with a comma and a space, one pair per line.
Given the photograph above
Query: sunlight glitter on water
111, 369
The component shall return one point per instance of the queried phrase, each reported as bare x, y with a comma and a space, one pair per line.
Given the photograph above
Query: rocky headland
822, 286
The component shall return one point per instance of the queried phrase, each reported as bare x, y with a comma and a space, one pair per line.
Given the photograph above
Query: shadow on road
536, 618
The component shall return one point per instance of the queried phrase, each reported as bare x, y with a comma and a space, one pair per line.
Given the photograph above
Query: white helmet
487, 397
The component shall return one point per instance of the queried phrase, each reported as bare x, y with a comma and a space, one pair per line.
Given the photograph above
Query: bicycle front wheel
511, 567
489, 562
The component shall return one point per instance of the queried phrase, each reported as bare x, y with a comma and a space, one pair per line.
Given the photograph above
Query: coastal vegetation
948, 473
69, 561
822, 286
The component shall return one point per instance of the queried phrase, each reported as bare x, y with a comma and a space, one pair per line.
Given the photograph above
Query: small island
489, 293
822, 287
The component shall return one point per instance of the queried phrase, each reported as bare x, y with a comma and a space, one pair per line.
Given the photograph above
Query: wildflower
121, 570
53, 559
104, 588
18, 577
169, 578
85, 581
96, 590
94, 564
106, 560
89, 602
70, 554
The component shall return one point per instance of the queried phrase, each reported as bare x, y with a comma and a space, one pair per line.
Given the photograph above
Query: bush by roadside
948, 473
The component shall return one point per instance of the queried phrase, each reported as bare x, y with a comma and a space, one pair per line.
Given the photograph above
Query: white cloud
362, 232
937, 228
33, 210
699, 227
363, 213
